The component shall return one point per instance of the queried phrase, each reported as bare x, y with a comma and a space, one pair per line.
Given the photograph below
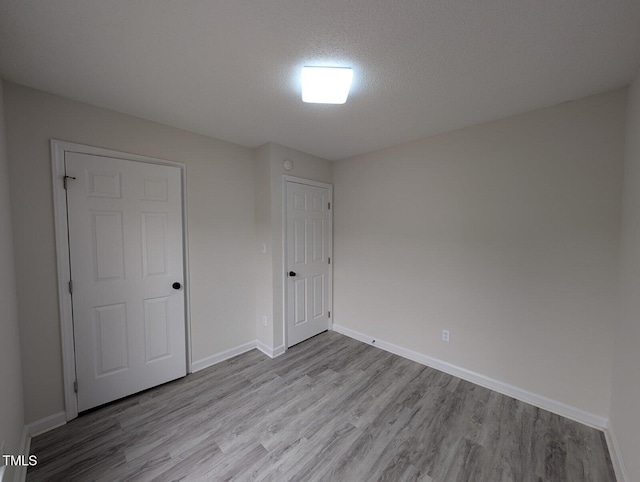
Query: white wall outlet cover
287, 164
264, 320
263, 248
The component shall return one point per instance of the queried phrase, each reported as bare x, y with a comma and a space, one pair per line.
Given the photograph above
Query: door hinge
329, 259
70, 286
329, 205
66, 178
329, 314
75, 386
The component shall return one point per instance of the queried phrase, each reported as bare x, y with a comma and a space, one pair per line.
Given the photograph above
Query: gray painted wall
506, 234
11, 403
625, 419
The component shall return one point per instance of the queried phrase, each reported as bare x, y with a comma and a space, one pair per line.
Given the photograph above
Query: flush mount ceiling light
326, 85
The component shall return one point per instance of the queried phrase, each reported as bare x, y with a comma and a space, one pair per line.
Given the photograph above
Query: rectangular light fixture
326, 85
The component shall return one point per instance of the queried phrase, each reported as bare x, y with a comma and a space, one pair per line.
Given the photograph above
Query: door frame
58, 150
285, 278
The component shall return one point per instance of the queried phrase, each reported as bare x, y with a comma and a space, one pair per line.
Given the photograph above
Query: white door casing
126, 249
307, 258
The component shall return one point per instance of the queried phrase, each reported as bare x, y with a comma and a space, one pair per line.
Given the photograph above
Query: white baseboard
196, 366
31, 430
20, 472
279, 350
271, 353
539, 401
616, 454
47, 423
264, 349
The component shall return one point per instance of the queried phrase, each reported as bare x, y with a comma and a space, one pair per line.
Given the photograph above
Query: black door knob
176, 286
292, 273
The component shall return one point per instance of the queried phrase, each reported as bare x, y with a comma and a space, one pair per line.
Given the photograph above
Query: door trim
308, 182
58, 150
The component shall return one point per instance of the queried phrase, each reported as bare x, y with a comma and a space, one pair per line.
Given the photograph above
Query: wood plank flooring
330, 409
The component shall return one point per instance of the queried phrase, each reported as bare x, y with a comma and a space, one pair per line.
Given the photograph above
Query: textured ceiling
230, 68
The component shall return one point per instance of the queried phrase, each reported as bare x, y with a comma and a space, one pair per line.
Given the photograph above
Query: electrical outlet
263, 248
445, 335
264, 320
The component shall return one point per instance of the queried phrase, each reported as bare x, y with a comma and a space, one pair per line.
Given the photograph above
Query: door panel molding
329, 248
58, 150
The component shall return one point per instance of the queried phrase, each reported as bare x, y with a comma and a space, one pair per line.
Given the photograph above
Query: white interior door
308, 251
126, 252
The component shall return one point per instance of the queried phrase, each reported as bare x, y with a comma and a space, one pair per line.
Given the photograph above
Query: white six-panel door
308, 223
126, 252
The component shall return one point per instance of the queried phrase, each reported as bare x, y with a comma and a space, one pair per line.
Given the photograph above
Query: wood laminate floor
331, 409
